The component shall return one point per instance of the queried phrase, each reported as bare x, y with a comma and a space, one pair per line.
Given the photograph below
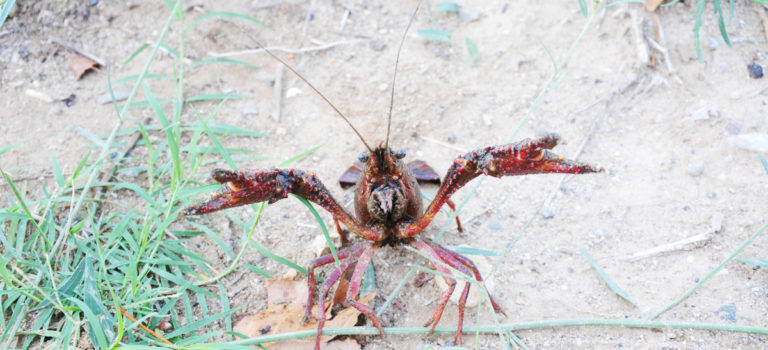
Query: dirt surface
663, 137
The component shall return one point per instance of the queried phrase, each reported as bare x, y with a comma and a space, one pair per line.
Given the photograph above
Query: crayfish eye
400, 154
363, 157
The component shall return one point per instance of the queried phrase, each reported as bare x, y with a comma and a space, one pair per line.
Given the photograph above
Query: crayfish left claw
242, 188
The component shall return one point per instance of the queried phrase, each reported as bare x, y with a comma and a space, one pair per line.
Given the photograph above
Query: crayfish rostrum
388, 207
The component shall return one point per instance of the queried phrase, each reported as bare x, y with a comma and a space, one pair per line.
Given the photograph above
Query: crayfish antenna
317, 91
394, 75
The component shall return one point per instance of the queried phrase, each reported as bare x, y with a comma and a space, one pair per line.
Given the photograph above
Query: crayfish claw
223, 175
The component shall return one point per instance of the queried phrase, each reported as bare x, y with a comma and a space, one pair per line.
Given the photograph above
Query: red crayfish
388, 207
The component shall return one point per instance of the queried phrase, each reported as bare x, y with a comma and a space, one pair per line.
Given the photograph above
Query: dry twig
153, 333
683, 244
286, 49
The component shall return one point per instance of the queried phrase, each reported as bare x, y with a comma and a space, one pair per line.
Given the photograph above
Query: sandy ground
663, 138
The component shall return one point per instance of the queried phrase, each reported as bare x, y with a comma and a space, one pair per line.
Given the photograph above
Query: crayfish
388, 207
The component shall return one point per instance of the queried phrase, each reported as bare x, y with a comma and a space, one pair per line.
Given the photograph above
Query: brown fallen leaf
79, 65
286, 301
286, 292
651, 5
341, 289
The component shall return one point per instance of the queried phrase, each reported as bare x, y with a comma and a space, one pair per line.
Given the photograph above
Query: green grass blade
173, 144
225, 307
369, 280
277, 258
181, 282
97, 332
473, 251
24, 207
436, 35
134, 54
170, 50
57, 172
449, 7
322, 227
200, 323
721, 21
764, 161
474, 55
90, 136
300, 155
6, 9
611, 284
583, 7
697, 26
6, 149
69, 285
258, 271
759, 262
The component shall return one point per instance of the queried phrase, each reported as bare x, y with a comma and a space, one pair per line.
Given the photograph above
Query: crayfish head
385, 190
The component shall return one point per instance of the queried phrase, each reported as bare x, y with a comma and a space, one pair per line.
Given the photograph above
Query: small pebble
292, 92
711, 195
755, 70
452, 138
687, 208
487, 119
39, 95
695, 169
468, 14
444, 54
547, 213
439, 110
494, 225
69, 101
727, 312
377, 44
250, 110
733, 128
119, 96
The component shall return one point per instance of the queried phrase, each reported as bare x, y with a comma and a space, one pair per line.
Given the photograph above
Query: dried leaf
341, 289
285, 310
286, 292
651, 5
348, 316
80, 65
